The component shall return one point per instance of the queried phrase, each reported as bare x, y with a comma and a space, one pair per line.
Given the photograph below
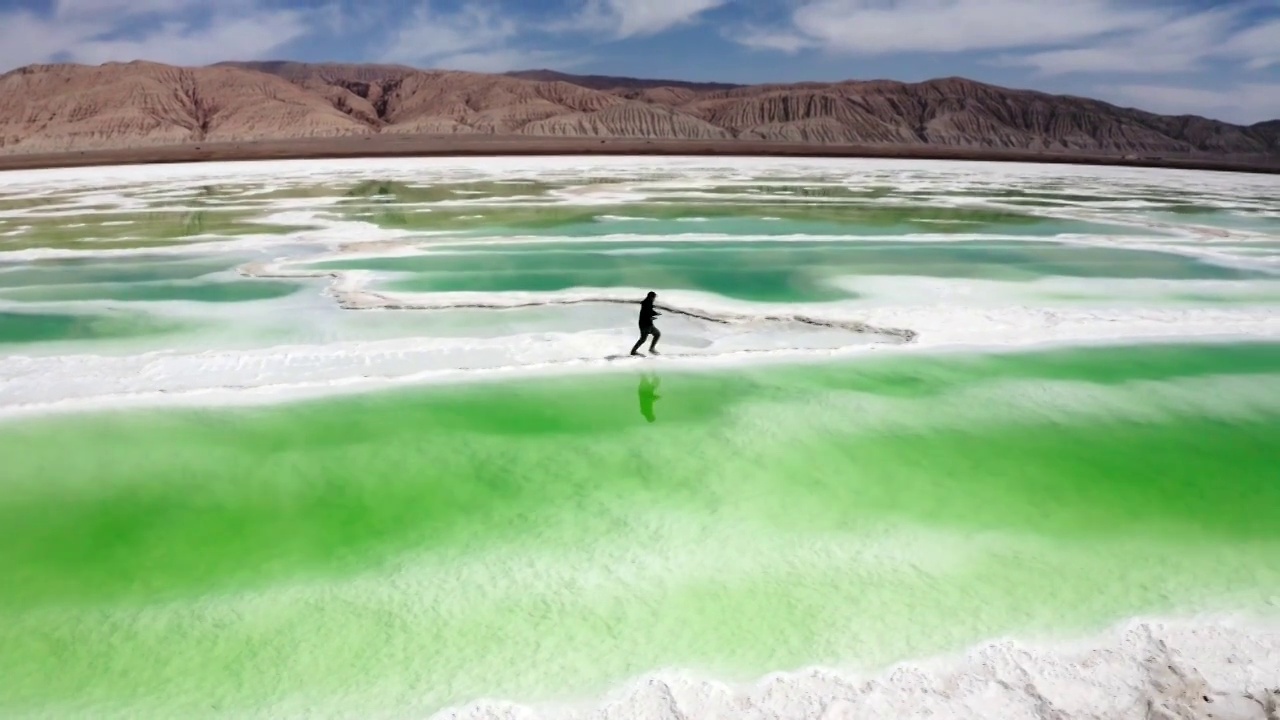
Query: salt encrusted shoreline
1225, 668
380, 148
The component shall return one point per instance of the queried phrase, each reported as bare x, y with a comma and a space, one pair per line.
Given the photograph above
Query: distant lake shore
374, 146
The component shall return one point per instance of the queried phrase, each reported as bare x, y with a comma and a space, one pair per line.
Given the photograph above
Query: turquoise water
779, 218
18, 328
217, 292
765, 271
90, 270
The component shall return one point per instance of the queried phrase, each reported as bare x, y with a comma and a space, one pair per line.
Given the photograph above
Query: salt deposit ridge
40, 383
1225, 668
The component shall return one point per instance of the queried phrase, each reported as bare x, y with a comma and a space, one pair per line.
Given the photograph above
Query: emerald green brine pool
365, 439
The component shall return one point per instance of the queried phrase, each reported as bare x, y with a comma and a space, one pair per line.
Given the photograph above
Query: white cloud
758, 38
1257, 46
92, 31
1058, 37
81, 9
248, 37
1244, 103
27, 38
479, 38
427, 35
872, 27
351, 17
1176, 45
634, 18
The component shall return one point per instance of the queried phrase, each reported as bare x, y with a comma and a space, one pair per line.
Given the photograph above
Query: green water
34, 327
764, 271
88, 270
798, 191
125, 230
392, 553
529, 539
1245, 298
1226, 220
673, 218
26, 203
1046, 193
140, 278
216, 292
399, 192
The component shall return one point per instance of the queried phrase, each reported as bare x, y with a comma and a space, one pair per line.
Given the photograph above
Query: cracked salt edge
368, 300
1224, 667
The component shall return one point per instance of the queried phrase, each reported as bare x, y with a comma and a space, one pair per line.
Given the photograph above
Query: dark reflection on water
648, 393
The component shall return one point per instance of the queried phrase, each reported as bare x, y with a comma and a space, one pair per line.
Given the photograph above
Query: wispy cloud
251, 36
1172, 45
1237, 102
759, 38
1177, 45
871, 27
26, 37
428, 34
184, 32
351, 18
1258, 46
620, 19
82, 9
1050, 36
477, 37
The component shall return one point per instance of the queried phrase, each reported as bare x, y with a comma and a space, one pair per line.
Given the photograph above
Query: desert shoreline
392, 146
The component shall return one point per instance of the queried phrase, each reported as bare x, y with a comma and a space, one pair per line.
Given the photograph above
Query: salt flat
336, 438
227, 277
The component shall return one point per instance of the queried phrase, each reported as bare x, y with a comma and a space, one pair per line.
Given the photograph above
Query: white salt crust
1143, 669
588, 328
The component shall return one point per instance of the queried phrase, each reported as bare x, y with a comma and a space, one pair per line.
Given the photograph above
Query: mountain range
68, 107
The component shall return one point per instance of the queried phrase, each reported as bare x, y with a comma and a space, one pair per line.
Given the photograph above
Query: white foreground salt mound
1227, 669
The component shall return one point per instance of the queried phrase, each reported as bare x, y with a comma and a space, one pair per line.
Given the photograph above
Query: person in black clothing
647, 314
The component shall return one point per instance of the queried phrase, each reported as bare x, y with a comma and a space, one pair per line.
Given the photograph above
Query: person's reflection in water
648, 392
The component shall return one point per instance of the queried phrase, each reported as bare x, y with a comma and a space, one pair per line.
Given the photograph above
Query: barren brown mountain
73, 107
45, 108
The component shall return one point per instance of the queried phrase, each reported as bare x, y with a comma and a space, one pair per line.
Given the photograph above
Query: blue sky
1219, 58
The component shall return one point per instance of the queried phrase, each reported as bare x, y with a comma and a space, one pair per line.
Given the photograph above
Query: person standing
647, 314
